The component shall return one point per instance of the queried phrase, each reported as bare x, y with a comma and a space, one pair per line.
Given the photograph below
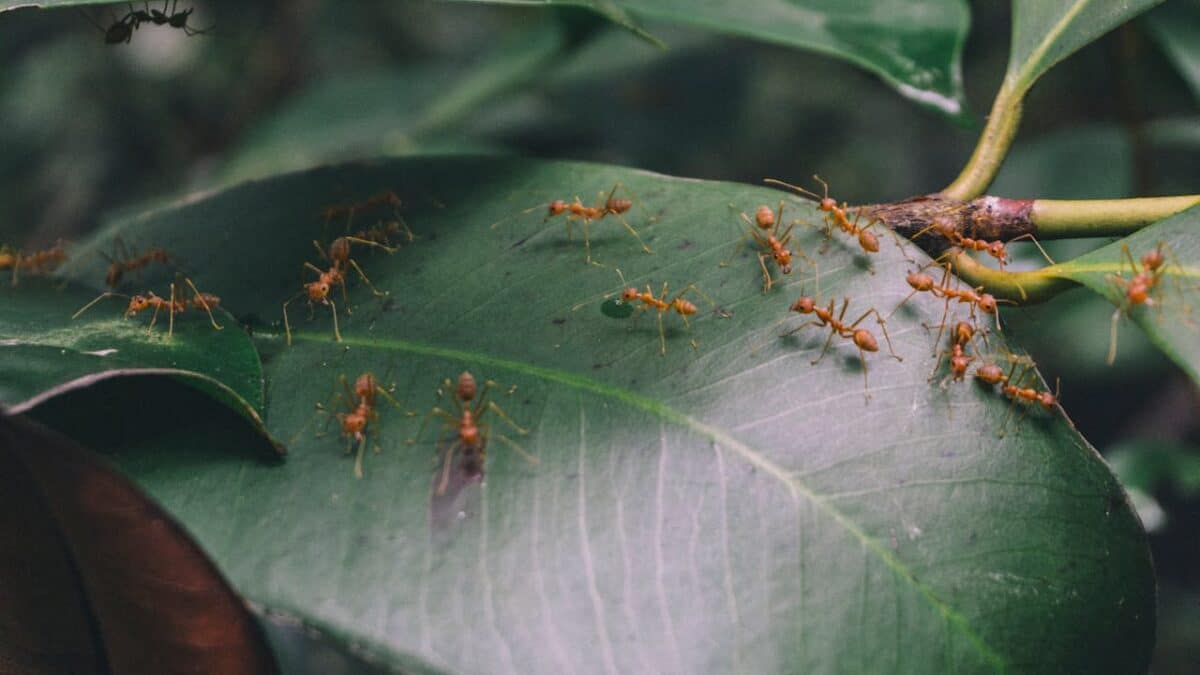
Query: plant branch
1024, 288
993, 144
1058, 219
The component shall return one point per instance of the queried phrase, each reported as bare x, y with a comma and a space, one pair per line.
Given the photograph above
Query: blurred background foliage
91, 130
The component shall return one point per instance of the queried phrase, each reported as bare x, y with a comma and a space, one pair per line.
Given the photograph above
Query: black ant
121, 30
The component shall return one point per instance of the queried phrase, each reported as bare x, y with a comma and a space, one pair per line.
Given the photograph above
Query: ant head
989, 373
827, 204
1047, 400
339, 249
317, 290
865, 340
919, 281
868, 241
685, 307
629, 294
557, 206
466, 386
618, 205
804, 305
764, 217
958, 365
1153, 260
963, 332
136, 304
987, 303
996, 250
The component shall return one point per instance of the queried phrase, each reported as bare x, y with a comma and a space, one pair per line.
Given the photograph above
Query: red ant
126, 260
996, 249
863, 339
1138, 290
361, 415
38, 262
837, 215
471, 431
992, 374
959, 360
661, 304
173, 306
920, 282
771, 242
577, 210
317, 292
380, 233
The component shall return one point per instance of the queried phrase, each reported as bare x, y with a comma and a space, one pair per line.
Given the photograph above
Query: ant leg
906, 299
314, 268
171, 312
738, 249
89, 305
1030, 237
394, 402
1127, 256
367, 281
766, 273
520, 451
645, 248
435, 412
824, 349
153, 319
882, 327
320, 252
203, 303
492, 406
286, 326
337, 336
368, 242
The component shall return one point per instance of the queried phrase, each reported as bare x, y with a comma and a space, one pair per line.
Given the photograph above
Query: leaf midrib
795, 486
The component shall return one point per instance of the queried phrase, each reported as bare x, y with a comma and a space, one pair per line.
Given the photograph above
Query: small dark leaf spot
558, 321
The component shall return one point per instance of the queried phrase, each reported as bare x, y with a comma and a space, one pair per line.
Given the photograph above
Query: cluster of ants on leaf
467, 419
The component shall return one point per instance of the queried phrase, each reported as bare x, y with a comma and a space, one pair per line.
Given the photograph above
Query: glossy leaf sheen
915, 46
1173, 324
44, 352
1048, 31
731, 508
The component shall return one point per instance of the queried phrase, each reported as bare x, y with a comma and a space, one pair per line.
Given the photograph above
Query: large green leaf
916, 46
1176, 26
1048, 31
44, 353
729, 508
1172, 323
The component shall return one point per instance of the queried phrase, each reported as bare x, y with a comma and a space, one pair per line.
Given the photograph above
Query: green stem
1020, 287
1060, 219
992, 146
